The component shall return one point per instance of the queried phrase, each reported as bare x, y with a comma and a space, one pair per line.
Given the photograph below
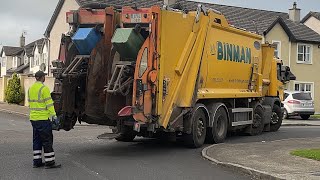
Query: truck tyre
198, 129
305, 117
276, 118
218, 132
257, 125
127, 134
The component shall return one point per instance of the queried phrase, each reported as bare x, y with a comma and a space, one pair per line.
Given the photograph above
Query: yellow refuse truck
199, 78
190, 75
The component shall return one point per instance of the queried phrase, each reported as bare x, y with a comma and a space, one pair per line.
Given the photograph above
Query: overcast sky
33, 15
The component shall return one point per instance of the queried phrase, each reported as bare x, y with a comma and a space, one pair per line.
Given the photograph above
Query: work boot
38, 165
52, 166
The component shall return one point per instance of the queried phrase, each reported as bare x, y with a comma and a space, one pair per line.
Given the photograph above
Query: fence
26, 83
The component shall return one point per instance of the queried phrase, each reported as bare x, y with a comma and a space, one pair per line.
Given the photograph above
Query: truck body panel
161, 70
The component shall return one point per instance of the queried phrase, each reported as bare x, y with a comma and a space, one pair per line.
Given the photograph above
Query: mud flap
267, 117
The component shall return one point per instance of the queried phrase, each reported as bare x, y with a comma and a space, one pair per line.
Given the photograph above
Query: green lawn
307, 153
316, 116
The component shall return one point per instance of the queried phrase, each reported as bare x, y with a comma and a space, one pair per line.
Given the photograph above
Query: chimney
294, 13
22, 41
169, 2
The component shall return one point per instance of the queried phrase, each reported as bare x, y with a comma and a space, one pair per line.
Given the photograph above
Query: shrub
13, 92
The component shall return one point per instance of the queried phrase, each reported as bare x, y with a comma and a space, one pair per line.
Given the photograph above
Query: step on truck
160, 72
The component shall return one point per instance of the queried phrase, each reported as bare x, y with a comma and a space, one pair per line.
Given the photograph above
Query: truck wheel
276, 118
127, 134
305, 117
218, 132
198, 129
257, 125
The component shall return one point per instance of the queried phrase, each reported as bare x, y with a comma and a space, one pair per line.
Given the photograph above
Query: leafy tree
13, 92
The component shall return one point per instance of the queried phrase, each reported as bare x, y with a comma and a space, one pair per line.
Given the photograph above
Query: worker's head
40, 76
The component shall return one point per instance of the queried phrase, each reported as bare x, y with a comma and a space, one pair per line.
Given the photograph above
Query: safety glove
55, 123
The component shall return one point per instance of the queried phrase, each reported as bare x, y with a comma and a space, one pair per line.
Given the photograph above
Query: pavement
267, 160
264, 158
83, 156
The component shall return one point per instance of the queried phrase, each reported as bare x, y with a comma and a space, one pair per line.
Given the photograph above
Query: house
10, 56
39, 56
297, 44
26, 59
299, 47
312, 20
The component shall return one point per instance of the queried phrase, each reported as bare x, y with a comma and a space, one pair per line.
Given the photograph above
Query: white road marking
89, 170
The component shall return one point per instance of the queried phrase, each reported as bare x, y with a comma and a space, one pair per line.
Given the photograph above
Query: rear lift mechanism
71, 70
121, 79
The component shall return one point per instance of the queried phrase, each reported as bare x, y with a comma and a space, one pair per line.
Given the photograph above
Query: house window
277, 51
37, 60
25, 59
45, 58
304, 53
41, 59
4, 61
31, 62
15, 61
304, 87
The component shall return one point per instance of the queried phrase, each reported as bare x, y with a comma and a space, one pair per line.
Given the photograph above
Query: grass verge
307, 153
316, 116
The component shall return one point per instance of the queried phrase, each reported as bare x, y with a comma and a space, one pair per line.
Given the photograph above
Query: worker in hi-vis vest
41, 113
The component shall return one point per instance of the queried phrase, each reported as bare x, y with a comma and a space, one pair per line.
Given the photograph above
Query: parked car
298, 104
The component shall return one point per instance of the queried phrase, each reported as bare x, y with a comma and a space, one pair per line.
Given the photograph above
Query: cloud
31, 16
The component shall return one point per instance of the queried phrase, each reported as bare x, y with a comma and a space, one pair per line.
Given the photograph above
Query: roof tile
254, 20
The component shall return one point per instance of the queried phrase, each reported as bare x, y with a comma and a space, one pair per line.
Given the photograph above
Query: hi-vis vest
40, 102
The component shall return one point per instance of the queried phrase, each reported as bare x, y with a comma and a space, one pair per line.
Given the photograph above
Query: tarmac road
83, 156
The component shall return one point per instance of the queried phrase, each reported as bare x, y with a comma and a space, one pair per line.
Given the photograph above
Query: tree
13, 92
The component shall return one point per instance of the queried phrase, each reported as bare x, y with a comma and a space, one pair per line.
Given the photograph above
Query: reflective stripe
37, 109
37, 157
49, 159
49, 105
40, 92
37, 151
49, 154
46, 99
39, 101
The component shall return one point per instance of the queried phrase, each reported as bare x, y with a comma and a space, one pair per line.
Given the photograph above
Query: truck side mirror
286, 74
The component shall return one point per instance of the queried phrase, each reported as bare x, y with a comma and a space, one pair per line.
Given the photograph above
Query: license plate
307, 105
135, 18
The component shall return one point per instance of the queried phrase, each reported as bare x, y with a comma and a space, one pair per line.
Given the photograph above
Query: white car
298, 104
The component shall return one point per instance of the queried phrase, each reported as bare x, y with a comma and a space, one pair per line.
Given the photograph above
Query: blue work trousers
42, 139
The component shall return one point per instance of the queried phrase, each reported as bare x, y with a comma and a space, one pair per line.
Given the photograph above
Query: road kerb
239, 168
300, 124
13, 112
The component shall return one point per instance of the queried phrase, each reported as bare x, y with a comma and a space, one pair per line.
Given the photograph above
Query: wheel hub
275, 118
200, 128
